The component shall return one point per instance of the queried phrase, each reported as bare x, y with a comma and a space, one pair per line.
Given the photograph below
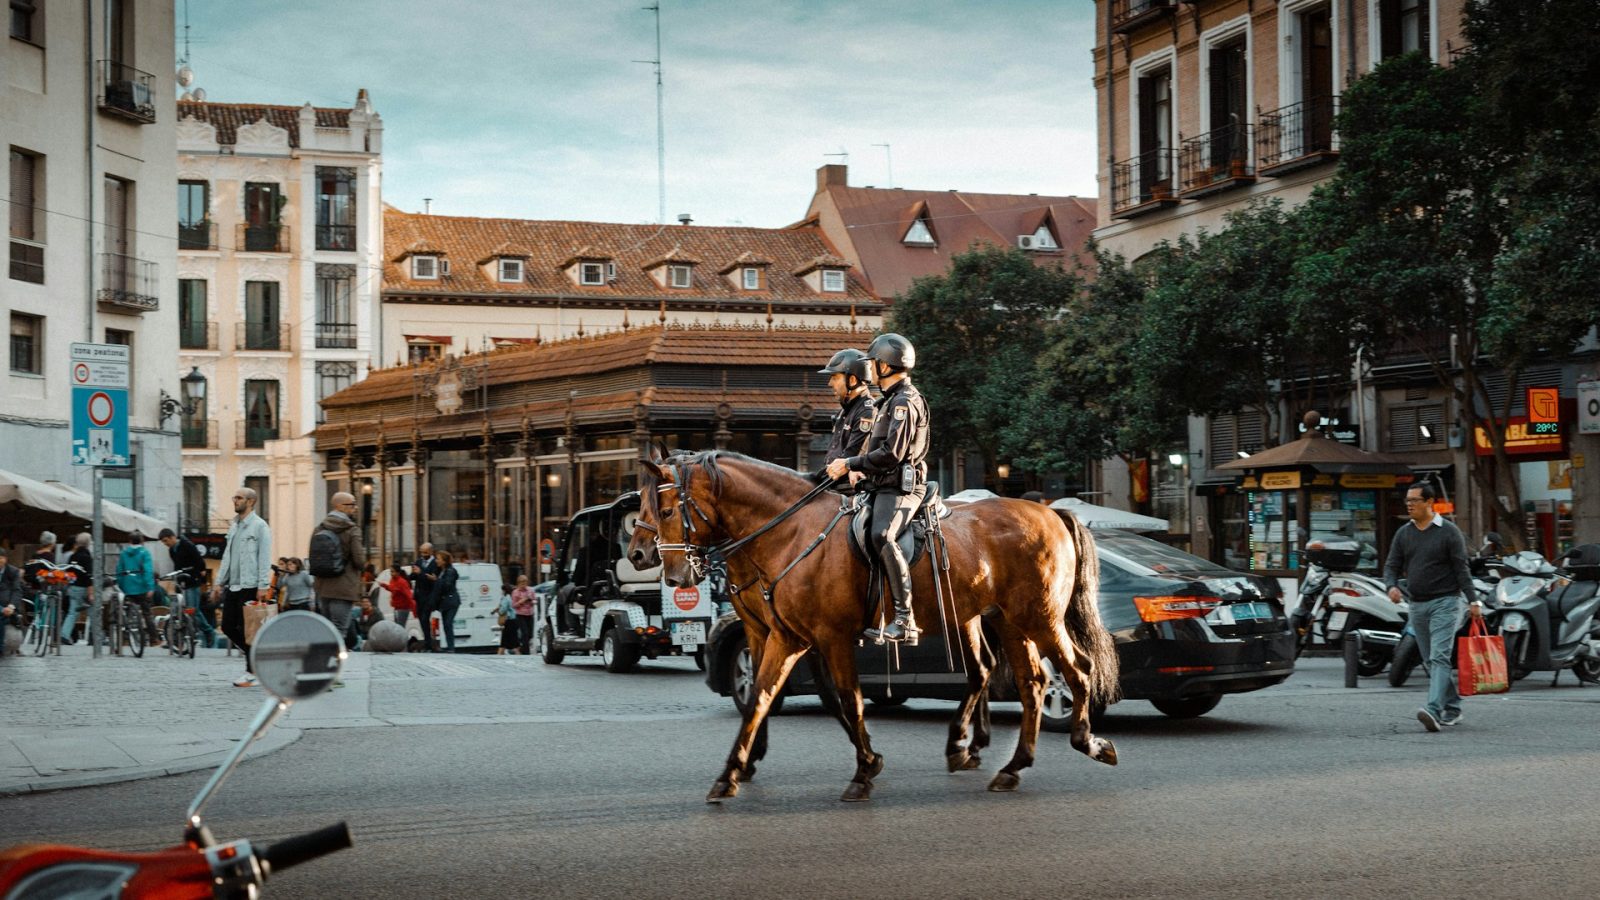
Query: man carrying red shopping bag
1481, 657
1431, 555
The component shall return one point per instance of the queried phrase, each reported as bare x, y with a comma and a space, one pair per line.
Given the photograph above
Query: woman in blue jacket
446, 598
136, 578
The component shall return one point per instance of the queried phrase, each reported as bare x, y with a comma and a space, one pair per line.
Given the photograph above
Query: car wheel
744, 681
617, 656
1188, 707
1057, 705
1405, 661
700, 659
547, 648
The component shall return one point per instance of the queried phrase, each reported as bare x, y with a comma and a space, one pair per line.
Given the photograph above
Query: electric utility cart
599, 603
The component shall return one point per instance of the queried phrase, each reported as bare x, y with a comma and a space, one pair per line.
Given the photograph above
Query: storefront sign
1322, 481
1380, 482
1280, 481
1544, 404
1589, 407
1524, 438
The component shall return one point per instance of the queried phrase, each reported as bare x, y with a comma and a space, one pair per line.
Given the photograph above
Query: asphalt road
1303, 790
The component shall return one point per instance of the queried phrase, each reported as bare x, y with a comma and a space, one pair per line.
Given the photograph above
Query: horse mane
708, 461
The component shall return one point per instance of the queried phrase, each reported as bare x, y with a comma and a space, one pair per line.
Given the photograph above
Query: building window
592, 273
27, 254
125, 339
1044, 240
260, 328
195, 428
422, 351
680, 276
194, 216
336, 208
511, 271
1229, 97
24, 20
262, 485
918, 234
1417, 427
196, 505
27, 344
751, 278
194, 332
833, 280
336, 327
333, 377
1403, 27
1155, 131
425, 268
263, 218
261, 412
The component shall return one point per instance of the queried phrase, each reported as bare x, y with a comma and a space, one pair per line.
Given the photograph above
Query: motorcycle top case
1584, 562
1342, 556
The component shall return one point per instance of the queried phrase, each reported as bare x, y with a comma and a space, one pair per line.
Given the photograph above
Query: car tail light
1166, 609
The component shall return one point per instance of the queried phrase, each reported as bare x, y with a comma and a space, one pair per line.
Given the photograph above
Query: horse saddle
913, 540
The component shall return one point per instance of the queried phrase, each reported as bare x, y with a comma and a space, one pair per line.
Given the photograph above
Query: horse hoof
722, 790
856, 792
963, 761
1104, 751
876, 769
1004, 782
747, 773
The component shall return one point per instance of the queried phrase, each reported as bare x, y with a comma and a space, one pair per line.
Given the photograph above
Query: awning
28, 507
1105, 517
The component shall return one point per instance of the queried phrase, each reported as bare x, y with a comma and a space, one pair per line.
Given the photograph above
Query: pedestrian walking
12, 594
186, 558
136, 578
298, 588
401, 600
78, 591
522, 603
245, 575
1431, 555
447, 599
507, 615
336, 561
424, 576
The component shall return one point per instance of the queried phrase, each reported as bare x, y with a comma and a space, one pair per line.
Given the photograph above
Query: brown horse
1036, 568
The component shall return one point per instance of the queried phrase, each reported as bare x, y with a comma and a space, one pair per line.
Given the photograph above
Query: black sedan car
1187, 632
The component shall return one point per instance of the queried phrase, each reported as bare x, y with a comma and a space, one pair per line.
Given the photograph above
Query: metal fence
129, 283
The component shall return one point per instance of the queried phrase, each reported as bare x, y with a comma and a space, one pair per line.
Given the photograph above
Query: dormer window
750, 277
425, 268
680, 276
918, 234
510, 271
592, 273
1043, 239
833, 281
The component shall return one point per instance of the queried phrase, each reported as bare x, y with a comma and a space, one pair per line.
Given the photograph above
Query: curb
273, 741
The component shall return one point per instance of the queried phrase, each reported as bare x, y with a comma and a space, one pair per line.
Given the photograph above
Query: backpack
327, 554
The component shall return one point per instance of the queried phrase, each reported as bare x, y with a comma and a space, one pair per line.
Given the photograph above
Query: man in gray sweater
1431, 555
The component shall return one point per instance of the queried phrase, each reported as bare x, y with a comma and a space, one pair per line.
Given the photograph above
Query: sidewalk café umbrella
28, 507
1105, 517
969, 495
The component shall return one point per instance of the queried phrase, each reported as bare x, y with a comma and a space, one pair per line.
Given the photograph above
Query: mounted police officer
848, 377
895, 468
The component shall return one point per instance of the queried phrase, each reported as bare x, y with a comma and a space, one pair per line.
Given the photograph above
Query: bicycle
125, 625
49, 605
181, 632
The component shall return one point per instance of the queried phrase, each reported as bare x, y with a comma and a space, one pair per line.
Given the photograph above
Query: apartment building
278, 261
87, 114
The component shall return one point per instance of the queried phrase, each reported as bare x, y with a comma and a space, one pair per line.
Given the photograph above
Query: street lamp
194, 392
1003, 470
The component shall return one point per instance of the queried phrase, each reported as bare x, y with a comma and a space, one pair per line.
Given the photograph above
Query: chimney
832, 175
685, 219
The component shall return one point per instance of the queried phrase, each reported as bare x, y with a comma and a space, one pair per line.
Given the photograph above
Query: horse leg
825, 691
959, 754
841, 661
778, 657
1024, 659
758, 748
1073, 667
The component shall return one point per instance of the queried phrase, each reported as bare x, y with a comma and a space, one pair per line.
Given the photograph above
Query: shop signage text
1523, 438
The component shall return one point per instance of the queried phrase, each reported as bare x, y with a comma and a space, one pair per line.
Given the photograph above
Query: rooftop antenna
185, 75
843, 155
888, 159
661, 127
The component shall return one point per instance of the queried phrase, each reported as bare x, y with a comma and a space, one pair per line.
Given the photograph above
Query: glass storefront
456, 497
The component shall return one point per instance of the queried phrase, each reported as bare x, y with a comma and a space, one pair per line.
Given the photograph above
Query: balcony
126, 92
1131, 15
197, 335
255, 435
268, 336
198, 236
129, 284
1142, 185
262, 238
336, 237
1216, 161
199, 434
1297, 136
332, 336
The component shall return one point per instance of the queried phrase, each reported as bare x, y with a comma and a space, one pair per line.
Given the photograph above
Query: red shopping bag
1481, 661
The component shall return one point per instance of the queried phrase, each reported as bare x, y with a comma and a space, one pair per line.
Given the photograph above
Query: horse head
675, 529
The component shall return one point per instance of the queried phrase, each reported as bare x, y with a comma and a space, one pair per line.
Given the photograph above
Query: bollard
1352, 657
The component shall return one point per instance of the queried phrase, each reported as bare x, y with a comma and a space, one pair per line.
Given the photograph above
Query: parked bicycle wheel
47, 625
133, 627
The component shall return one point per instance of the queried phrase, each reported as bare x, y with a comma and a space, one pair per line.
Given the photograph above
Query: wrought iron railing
1215, 160
197, 236
197, 335
199, 434
128, 282
336, 237
336, 336
261, 336
127, 92
1127, 15
255, 433
262, 238
1142, 180
1298, 132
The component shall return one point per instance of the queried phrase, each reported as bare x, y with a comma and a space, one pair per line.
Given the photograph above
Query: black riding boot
904, 626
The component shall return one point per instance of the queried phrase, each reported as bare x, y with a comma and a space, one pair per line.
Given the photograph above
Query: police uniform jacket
899, 437
851, 426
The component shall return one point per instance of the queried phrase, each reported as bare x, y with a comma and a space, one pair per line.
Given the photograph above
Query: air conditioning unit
1027, 242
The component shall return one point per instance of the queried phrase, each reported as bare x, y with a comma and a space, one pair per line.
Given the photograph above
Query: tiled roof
555, 245
870, 225
228, 118
577, 357
744, 259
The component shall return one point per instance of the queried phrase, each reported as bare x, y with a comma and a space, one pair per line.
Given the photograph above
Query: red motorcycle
296, 655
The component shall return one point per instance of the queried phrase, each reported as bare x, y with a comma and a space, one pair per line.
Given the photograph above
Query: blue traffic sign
100, 405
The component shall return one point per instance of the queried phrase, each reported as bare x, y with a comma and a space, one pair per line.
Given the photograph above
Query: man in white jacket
245, 573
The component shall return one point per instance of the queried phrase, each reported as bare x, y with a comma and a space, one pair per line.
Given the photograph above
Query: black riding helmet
849, 362
893, 351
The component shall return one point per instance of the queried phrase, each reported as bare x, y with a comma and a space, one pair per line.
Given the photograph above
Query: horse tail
1089, 636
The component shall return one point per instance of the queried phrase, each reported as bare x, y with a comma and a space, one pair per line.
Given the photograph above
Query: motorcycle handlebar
291, 852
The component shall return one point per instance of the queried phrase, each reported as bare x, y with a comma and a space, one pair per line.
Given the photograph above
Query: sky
536, 109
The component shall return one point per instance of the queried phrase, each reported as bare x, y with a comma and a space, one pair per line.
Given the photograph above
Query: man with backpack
336, 560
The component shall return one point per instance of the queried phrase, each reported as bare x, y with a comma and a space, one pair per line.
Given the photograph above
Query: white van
477, 627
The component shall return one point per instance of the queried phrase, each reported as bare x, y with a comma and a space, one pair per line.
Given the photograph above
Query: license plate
1337, 619
688, 633
1250, 612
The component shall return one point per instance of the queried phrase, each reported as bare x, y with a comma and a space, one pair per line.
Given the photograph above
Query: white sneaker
246, 681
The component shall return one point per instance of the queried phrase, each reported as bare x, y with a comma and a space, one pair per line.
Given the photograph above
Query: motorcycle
1557, 626
1335, 600
295, 655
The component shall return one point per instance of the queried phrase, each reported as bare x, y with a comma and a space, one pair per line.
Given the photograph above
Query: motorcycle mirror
296, 655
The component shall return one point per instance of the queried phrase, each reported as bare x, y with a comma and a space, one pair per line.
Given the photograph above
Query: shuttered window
1403, 26
1416, 427
24, 199
1231, 434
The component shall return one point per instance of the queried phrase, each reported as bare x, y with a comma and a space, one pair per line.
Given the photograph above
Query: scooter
295, 655
1335, 600
1557, 627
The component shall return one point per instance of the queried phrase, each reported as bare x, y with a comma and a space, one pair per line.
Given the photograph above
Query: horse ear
651, 466
658, 450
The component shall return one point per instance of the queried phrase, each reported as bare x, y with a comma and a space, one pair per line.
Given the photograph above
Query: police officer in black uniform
847, 376
896, 470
